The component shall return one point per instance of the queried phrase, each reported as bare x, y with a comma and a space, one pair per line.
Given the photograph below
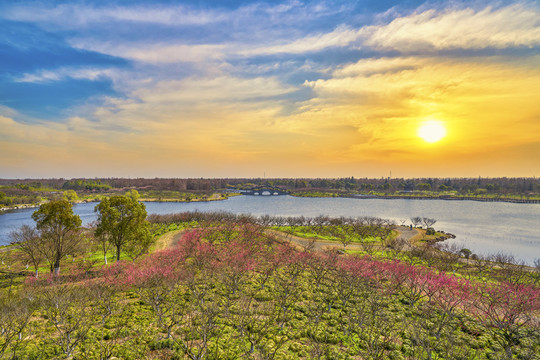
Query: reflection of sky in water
483, 227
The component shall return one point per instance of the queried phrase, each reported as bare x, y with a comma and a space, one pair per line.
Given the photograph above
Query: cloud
78, 73
511, 26
340, 37
74, 16
219, 89
160, 53
77, 15
173, 52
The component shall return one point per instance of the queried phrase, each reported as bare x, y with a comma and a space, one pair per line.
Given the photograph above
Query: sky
276, 89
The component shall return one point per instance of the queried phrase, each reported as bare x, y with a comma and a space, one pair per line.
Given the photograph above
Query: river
482, 227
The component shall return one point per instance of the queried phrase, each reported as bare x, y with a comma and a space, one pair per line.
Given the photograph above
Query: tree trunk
57, 267
118, 253
105, 258
508, 351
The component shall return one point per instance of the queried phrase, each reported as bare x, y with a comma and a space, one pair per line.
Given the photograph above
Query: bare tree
114, 321
373, 327
394, 247
68, 309
28, 241
101, 241
508, 268
416, 221
428, 222
199, 327
253, 320
15, 315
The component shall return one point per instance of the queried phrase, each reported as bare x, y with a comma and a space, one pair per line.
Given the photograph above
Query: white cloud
171, 52
374, 66
83, 73
340, 37
223, 88
39, 77
432, 30
76, 15
511, 26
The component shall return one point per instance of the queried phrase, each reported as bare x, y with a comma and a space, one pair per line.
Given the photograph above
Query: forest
15, 192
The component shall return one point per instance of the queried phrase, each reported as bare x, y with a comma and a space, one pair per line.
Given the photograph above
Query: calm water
483, 227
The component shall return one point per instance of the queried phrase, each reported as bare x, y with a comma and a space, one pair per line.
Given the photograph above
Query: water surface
482, 227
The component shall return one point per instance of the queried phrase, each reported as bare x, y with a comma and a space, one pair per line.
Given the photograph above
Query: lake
482, 227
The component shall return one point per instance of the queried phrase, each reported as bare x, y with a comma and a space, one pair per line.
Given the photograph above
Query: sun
432, 131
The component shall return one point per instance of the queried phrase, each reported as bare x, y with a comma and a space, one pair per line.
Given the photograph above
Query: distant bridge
265, 191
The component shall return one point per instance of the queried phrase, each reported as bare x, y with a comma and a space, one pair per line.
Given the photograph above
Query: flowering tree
509, 312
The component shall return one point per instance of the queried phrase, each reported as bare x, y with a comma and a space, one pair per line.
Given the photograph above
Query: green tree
423, 186
59, 230
71, 195
122, 219
133, 194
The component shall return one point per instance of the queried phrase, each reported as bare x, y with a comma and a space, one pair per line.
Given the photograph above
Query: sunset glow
313, 89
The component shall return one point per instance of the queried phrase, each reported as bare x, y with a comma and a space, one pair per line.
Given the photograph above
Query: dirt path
169, 239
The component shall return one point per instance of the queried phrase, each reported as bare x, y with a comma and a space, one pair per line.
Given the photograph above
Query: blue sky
127, 88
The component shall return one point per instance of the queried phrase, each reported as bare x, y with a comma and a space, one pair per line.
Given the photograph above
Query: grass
329, 233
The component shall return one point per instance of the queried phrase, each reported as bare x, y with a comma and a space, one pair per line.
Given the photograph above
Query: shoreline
442, 197
33, 206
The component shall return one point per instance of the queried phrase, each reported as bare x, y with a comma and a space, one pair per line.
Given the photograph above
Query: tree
417, 220
423, 186
67, 308
70, 195
59, 230
28, 240
15, 315
509, 312
428, 222
133, 194
101, 241
123, 220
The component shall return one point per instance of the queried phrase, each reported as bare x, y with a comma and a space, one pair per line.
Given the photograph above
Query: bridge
265, 191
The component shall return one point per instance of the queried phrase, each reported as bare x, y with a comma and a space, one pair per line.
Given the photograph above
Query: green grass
328, 233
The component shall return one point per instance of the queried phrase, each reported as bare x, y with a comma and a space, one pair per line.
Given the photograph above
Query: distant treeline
503, 185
